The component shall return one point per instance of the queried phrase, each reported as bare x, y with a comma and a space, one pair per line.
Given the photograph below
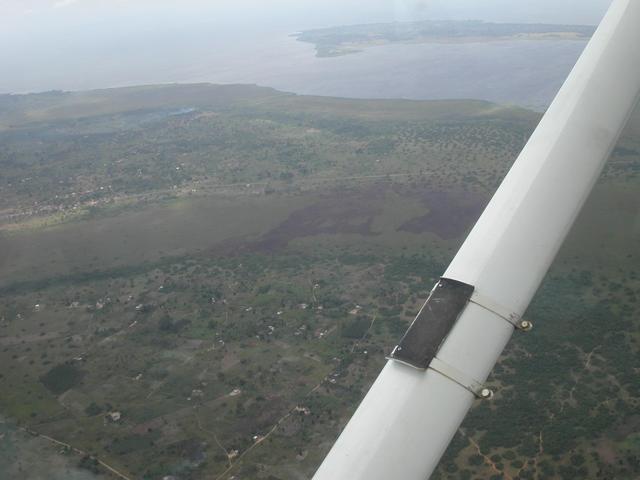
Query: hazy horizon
83, 44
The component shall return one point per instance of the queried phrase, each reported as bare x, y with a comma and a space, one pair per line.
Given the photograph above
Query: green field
226, 268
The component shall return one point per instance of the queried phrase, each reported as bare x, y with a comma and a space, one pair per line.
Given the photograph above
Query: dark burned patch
62, 377
354, 211
350, 214
450, 214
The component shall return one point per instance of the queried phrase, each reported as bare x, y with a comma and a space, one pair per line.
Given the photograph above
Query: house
113, 416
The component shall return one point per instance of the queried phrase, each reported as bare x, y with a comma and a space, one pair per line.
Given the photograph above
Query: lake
521, 72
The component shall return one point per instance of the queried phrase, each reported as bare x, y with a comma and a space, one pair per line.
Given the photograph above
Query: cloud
64, 3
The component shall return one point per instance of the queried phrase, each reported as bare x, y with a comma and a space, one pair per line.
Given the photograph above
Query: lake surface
527, 73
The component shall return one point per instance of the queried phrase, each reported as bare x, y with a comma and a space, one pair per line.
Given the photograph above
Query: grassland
234, 311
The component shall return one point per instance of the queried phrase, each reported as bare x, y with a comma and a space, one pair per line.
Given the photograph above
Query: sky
45, 39
16, 13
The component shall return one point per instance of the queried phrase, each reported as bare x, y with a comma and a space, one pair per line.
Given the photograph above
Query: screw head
486, 393
526, 325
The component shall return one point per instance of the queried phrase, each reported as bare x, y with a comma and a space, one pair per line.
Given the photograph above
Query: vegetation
343, 40
232, 330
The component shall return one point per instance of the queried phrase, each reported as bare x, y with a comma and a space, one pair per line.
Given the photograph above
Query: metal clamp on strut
501, 311
455, 375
